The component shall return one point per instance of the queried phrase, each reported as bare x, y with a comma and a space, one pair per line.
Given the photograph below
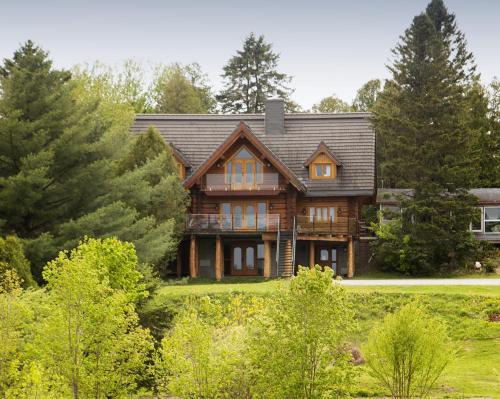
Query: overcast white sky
327, 46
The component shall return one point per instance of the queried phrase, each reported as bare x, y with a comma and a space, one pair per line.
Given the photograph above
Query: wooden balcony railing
259, 182
306, 224
230, 223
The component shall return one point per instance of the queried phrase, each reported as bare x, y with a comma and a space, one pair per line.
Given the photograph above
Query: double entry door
245, 258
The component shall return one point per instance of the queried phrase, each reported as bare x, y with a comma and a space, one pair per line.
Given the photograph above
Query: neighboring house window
477, 222
492, 219
322, 214
243, 171
389, 212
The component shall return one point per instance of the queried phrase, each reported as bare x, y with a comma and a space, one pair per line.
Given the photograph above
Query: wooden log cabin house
271, 191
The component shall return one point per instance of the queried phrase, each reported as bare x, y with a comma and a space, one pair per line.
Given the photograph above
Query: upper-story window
322, 167
322, 163
243, 170
322, 170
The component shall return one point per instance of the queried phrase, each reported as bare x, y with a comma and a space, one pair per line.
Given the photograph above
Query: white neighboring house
486, 227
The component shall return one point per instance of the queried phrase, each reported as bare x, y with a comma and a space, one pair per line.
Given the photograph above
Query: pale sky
327, 46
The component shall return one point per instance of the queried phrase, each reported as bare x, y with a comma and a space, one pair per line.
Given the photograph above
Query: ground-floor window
492, 219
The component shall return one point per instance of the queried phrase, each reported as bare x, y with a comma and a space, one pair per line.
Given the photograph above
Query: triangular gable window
243, 170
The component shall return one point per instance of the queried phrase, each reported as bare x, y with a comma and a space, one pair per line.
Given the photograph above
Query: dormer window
322, 164
323, 170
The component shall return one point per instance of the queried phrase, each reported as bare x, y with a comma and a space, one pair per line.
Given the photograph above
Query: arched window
237, 261
250, 258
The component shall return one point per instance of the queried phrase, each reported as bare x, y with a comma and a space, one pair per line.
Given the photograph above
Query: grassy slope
476, 369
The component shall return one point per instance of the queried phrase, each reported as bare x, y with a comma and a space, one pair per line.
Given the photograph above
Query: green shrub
12, 258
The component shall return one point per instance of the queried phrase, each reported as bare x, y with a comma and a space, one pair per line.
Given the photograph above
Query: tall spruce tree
251, 76
427, 140
59, 180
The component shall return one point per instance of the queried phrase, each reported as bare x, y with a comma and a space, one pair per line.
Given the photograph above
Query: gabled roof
349, 135
179, 156
322, 149
243, 131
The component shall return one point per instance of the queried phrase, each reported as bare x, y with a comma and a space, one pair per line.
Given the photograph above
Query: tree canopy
60, 145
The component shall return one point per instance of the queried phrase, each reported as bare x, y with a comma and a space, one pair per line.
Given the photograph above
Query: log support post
267, 258
193, 257
219, 258
350, 259
311, 254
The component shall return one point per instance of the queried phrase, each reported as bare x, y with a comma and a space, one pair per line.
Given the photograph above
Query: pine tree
251, 76
426, 139
59, 150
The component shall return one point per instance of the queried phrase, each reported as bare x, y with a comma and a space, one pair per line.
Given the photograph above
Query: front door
326, 255
244, 260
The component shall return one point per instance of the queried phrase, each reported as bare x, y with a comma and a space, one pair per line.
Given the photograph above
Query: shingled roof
349, 136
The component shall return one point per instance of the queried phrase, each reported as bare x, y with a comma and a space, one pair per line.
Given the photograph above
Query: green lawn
474, 373
259, 286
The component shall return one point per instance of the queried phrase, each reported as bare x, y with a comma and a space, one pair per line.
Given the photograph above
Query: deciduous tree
306, 325
408, 352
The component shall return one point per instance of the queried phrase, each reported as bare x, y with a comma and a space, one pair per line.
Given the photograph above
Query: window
322, 214
250, 258
323, 171
244, 215
334, 260
477, 221
237, 261
226, 215
237, 217
261, 215
389, 212
323, 255
492, 219
244, 171
250, 216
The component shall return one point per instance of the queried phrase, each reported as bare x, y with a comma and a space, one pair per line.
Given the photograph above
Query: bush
408, 351
12, 259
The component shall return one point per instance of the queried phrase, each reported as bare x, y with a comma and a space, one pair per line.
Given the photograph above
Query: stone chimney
275, 116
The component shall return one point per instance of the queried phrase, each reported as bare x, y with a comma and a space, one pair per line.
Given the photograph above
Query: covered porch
217, 256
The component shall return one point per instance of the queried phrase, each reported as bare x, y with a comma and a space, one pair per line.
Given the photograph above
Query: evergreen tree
181, 89
367, 96
426, 140
251, 76
331, 104
59, 150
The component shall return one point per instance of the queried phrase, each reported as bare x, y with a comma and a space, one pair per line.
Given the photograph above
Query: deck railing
228, 223
261, 182
306, 224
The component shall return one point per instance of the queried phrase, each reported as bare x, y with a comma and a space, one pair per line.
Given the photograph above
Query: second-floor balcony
232, 223
269, 182
308, 225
